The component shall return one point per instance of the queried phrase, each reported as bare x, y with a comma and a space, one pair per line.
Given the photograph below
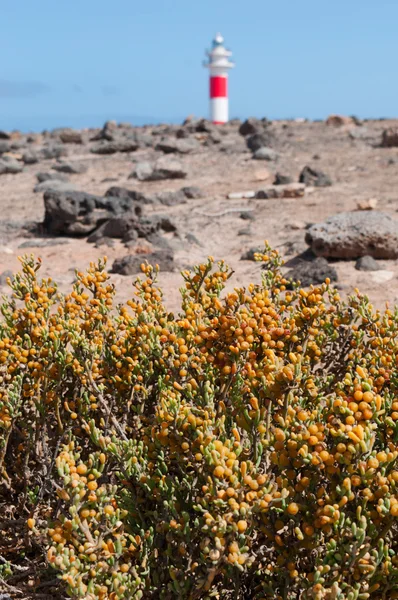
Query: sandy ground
359, 170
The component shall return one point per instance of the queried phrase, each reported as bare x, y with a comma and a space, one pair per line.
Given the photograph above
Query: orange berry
293, 508
242, 526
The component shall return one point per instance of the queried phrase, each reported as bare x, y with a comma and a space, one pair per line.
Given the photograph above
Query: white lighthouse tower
219, 64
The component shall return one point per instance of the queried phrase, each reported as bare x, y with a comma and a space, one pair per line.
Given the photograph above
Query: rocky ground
176, 194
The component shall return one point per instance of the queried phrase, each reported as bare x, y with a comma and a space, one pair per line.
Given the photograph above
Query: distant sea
38, 124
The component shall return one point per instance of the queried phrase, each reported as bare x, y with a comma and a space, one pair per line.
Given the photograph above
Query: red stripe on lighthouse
218, 87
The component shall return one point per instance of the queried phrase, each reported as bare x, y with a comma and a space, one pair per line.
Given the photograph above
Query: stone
258, 140
43, 243
130, 236
296, 225
31, 157
10, 166
250, 126
265, 153
310, 272
167, 145
143, 171
116, 146
131, 264
56, 185
114, 228
79, 213
170, 198
314, 177
247, 215
108, 131
169, 168
192, 239
164, 168
119, 192
192, 192
249, 254
50, 152
4, 147
144, 140
351, 235
389, 138
367, 204
45, 176
71, 136
281, 179
4, 135
187, 146
367, 263
74, 167
3, 281
291, 190
338, 120
232, 144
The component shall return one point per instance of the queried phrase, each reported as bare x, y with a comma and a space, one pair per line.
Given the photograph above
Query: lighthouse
218, 64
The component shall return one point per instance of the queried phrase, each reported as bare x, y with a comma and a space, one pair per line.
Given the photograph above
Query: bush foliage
244, 449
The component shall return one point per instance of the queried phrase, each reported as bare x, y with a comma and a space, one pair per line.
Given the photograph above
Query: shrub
244, 449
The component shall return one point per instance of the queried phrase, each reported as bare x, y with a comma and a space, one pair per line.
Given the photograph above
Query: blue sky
80, 62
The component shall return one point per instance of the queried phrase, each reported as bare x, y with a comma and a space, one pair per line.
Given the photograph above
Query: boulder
4, 147
351, 235
4, 276
251, 126
79, 213
143, 171
232, 144
44, 176
114, 228
56, 185
125, 145
131, 264
338, 120
187, 146
43, 243
168, 145
310, 272
314, 177
281, 179
192, 192
108, 132
74, 167
367, 263
71, 136
169, 168
119, 192
250, 254
389, 138
31, 157
258, 140
291, 190
4, 135
171, 145
49, 152
170, 198
265, 153
164, 168
9, 165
